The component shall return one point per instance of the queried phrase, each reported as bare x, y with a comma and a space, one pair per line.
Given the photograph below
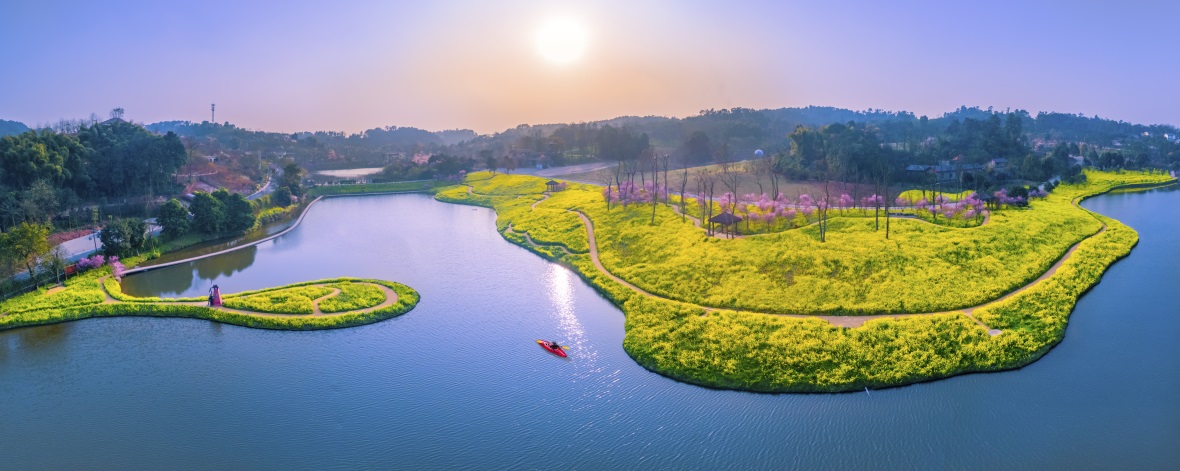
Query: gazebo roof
725, 219
551, 182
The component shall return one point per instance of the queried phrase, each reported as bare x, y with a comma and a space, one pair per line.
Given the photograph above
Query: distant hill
11, 128
455, 136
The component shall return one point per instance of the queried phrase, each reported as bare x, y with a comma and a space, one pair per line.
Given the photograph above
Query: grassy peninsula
758, 313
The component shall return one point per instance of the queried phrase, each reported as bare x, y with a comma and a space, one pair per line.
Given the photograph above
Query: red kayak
549, 346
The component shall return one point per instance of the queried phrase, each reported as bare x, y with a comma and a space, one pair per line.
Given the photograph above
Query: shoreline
1114, 244
298, 221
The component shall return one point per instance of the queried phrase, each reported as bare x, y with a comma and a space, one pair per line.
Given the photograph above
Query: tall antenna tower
213, 110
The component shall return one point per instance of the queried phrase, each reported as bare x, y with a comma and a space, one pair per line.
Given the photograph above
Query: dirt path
390, 299
534, 243
315, 303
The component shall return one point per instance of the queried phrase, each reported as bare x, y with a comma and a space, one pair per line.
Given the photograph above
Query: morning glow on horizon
455, 64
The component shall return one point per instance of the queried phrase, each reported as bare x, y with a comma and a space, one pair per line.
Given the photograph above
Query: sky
448, 64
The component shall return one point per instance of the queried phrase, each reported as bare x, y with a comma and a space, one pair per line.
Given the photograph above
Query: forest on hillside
45, 173
976, 135
48, 171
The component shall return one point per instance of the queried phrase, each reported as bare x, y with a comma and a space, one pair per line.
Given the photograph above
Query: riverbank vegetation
391, 187
86, 296
921, 268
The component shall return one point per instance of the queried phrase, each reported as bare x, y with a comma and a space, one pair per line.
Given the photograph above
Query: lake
349, 172
460, 383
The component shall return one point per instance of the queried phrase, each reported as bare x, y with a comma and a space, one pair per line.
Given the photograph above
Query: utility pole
213, 110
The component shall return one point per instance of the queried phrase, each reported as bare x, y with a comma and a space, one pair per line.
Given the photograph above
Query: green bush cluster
278, 213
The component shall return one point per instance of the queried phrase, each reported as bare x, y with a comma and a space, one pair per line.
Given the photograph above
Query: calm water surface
459, 382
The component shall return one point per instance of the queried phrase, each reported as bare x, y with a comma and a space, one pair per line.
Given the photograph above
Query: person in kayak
553, 344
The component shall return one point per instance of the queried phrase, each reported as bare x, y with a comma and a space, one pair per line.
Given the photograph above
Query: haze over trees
47, 173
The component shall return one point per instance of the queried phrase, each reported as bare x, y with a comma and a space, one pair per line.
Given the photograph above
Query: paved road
270, 186
76, 249
568, 169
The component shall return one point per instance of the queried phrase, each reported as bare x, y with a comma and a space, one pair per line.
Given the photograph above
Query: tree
208, 213
239, 214
173, 217
26, 243
292, 177
55, 262
489, 159
281, 197
126, 159
123, 237
697, 148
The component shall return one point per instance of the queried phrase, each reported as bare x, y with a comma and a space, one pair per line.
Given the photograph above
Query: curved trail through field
851, 321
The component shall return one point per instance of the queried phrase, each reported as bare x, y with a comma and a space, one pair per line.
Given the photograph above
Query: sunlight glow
561, 40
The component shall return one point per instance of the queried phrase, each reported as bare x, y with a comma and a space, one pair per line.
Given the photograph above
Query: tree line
45, 172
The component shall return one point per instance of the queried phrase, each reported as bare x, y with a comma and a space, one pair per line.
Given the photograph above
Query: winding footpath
851, 321
390, 299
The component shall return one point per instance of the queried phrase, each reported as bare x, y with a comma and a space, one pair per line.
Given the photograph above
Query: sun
561, 41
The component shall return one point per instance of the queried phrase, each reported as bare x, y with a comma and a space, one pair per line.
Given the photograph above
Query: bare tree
885, 176
606, 176
655, 185
758, 169
665, 161
731, 177
618, 171
772, 172
823, 210
683, 187
706, 183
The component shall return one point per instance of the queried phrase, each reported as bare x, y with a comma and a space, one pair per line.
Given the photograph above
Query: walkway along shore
851, 321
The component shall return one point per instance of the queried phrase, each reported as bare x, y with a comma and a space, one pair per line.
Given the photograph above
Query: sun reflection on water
561, 296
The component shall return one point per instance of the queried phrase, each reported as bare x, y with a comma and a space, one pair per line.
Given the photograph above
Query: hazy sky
349, 66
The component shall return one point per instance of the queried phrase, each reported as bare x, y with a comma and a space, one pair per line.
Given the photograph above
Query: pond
460, 382
349, 172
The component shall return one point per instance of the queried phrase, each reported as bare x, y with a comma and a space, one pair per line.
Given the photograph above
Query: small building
946, 171
726, 219
552, 185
